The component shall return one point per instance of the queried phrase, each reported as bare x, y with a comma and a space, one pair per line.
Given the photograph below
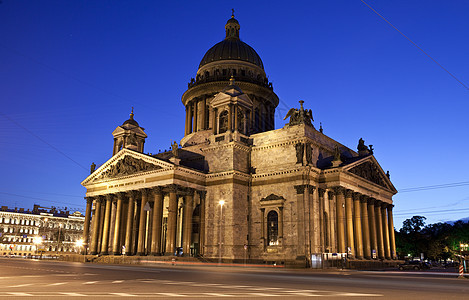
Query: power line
467, 88
40, 199
44, 141
434, 187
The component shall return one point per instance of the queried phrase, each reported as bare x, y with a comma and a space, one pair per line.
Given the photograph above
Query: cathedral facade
235, 188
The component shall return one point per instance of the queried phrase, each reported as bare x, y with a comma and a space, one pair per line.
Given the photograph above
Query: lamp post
58, 238
221, 202
79, 244
37, 241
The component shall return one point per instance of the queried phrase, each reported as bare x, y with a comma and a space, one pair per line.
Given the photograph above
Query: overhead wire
413, 43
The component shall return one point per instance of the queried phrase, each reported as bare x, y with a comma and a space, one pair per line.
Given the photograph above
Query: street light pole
221, 202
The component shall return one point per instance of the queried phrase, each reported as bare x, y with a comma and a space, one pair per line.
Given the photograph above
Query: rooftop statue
300, 116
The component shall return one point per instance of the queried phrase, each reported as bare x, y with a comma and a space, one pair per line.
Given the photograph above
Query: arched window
223, 122
272, 228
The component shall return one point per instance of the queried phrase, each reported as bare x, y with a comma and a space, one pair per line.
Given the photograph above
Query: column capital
300, 189
121, 195
100, 198
321, 192
338, 190
173, 188
364, 198
349, 193
356, 196
390, 206
146, 192
384, 205
157, 189
132, 193
202, 194
371, 201
109, 197
89, 200
377, 203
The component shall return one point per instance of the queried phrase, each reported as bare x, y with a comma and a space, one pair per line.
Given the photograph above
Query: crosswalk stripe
123, 294
57, 283
20, 285
118, 281
73, 294
90, 282
19, 294
171, 294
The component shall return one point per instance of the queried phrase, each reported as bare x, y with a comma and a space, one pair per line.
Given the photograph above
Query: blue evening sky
70, 71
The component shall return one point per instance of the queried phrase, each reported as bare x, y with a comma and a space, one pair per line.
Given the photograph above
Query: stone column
236, 118
202, 222
379, 229
280, 225
391, 232
196, 104
186, 128
107, 218
331, 200
372, 225
263, 225
349, 220
157, 221
326, 229
187, 227
387, 246
365, 228
358, 225
340, 205
203, 125
214, 121
142, 223
129, 226
116, 247
86, 225
172, 221
230, 117
95, 233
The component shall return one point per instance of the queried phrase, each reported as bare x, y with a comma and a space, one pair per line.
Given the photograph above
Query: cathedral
235, 188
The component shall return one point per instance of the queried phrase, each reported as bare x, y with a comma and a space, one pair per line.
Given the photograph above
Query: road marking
90, 282
171, 294
123, 294
20, 294
20, 285
57, 283
218, 295
118, 281
358, 295
74, 294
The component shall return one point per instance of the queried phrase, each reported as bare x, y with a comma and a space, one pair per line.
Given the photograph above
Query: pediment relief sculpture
272, 197
127, 166
370, 172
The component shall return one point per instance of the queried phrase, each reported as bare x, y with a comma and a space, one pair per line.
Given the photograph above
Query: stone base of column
128, 254
93, 253
104, 253
155, 254
115, 253
141, 254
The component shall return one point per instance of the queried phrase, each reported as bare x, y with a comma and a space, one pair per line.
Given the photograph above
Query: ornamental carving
370, 172
127, 166
272, 197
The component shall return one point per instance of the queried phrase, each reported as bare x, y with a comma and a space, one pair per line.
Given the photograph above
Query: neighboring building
236, 188
42, 230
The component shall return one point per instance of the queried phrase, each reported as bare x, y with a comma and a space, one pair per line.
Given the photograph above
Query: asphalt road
22, 278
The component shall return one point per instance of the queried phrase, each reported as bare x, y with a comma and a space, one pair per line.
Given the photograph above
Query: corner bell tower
129, 135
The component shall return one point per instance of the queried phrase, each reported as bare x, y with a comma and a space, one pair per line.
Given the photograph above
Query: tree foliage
436, 241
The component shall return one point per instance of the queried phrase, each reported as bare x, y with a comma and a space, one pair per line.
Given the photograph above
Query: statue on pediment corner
300, 116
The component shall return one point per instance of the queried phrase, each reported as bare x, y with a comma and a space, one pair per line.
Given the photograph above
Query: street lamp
37, 241
221, 202
79, 244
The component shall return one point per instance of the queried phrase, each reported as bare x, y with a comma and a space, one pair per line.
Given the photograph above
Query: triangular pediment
369, 169
126, 163
227, 97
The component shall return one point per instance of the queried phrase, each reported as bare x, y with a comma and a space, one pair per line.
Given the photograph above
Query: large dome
232, 48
